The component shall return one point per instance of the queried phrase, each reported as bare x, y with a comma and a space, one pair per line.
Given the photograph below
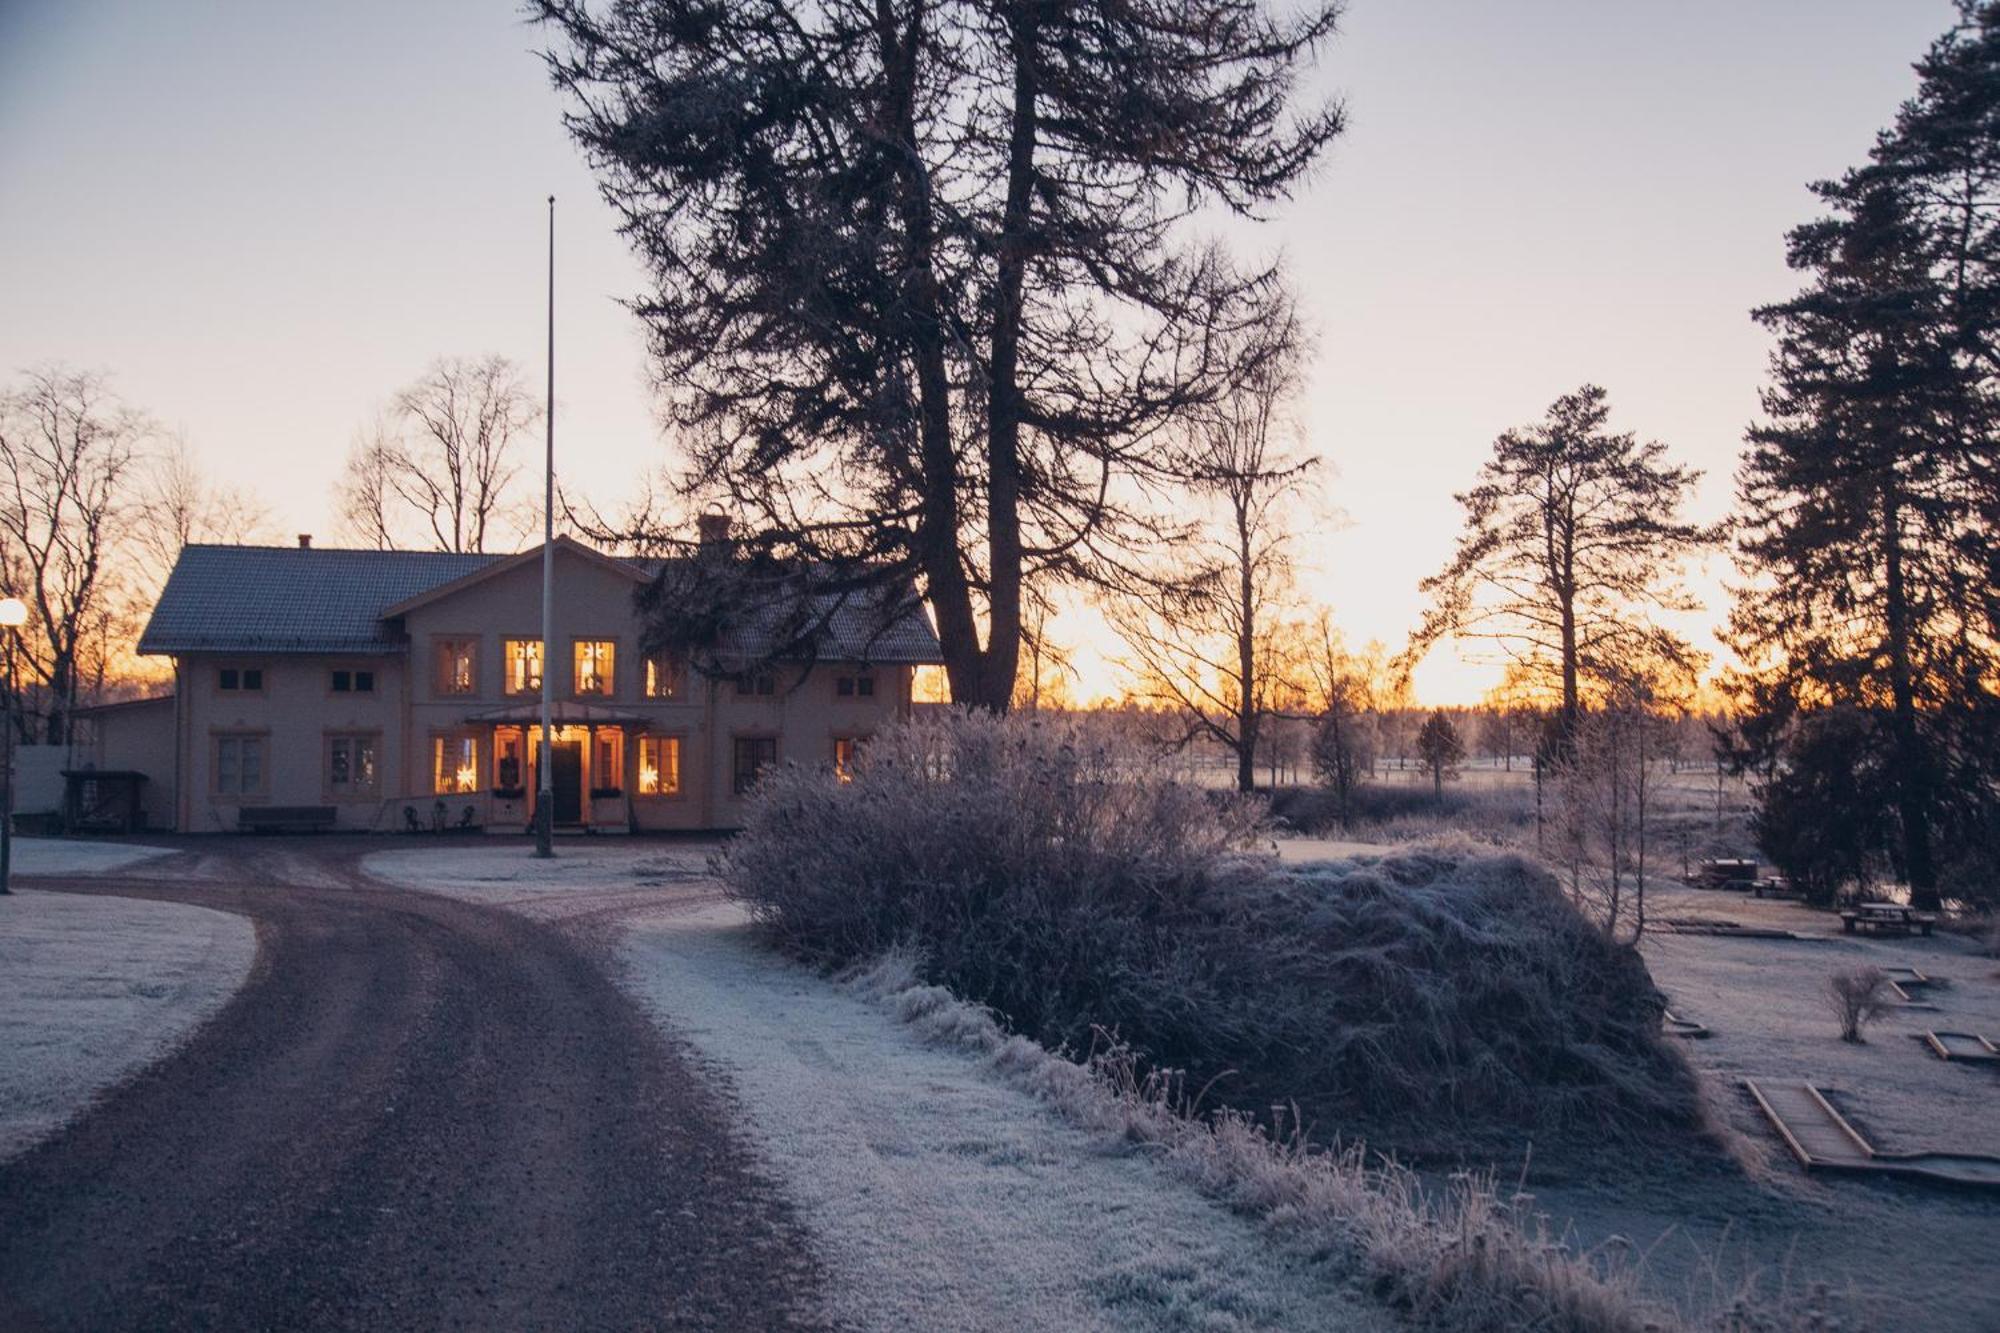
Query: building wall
139, 737
297, 714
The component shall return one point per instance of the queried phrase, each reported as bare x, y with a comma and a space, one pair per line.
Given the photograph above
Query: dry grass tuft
1858, 996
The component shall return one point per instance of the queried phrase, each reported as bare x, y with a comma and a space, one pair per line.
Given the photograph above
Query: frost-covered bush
1434, 999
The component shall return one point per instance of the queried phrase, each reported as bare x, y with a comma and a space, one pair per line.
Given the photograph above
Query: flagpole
545, 805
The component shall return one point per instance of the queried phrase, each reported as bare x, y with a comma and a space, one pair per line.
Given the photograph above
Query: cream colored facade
437, 733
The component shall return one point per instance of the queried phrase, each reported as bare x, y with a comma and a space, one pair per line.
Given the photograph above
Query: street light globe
13, 612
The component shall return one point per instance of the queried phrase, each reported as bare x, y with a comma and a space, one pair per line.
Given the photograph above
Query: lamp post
13, 615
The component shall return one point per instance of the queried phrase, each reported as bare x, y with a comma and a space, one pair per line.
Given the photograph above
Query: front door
566, 781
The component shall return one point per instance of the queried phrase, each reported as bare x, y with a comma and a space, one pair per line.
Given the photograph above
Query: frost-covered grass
1442, 1000
93, 988
1468, 1257
944, 1198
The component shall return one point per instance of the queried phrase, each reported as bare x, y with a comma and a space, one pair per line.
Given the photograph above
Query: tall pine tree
1867, 497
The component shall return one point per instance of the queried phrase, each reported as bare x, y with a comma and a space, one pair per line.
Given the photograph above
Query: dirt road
418, 1113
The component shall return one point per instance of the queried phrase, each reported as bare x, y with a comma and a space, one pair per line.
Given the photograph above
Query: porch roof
562, 713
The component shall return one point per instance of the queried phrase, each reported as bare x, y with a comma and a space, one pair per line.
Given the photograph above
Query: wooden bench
285, 818
1886, 918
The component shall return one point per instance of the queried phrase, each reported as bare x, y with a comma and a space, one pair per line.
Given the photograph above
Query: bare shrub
1858, 996
1438, 999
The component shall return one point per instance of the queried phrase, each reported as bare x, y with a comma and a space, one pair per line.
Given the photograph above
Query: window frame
507, 689
740, 783
856, 685
576, 646
351, 791
241, 673
463, 737
473, 646
239, 795
662, 665
655, 747
757, 685
354, 675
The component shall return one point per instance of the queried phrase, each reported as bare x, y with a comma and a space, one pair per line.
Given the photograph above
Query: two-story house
401, 687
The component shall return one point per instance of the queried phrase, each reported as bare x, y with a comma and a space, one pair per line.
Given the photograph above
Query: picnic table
1886, 918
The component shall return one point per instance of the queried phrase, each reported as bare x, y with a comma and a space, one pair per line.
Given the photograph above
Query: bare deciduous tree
181, 504
438, 464
67, 449
1208, 642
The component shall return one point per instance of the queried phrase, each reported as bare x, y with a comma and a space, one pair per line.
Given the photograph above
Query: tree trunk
1913, 768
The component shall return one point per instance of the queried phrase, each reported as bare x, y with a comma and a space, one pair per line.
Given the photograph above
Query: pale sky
263, 217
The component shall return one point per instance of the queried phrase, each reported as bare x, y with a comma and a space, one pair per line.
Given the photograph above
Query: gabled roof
623, 568
289, 599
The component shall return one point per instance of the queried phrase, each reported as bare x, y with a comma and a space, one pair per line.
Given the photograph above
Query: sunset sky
263, 218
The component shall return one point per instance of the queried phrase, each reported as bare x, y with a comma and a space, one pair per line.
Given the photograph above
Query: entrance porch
588, 758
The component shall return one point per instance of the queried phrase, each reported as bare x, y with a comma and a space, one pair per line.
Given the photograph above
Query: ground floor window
454, 762
350, 765
659, 765
845, 748
754, 754
239, 765
607, 762
510, 746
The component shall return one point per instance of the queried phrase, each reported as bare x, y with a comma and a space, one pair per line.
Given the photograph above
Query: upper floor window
757, 682
665, 677
457, 666
854, 687
354, 682
659, 765
522, 661
596, 663
248, 680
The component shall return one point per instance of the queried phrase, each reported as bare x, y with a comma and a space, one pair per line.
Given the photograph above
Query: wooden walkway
1822, 1140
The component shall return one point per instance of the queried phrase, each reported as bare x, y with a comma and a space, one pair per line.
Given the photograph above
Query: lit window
659, 765
509, 745
607, 763
845, 749
454, 763
523, 660
350, 765
664, 676
457, 666
239, 765
754, 754
595, 660
245, 679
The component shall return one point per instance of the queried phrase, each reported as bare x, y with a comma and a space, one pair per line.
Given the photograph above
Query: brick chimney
305, 541
713, 530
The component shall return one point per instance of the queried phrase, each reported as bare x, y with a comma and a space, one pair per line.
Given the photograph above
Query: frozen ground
941, 1197
1905, 1247
93, 988
74, 856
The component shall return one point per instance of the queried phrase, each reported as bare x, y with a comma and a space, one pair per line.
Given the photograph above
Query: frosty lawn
94, 988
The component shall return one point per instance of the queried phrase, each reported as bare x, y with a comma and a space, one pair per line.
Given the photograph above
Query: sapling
1859, 995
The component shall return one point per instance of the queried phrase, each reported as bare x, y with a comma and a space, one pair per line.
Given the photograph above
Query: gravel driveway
418, 1113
